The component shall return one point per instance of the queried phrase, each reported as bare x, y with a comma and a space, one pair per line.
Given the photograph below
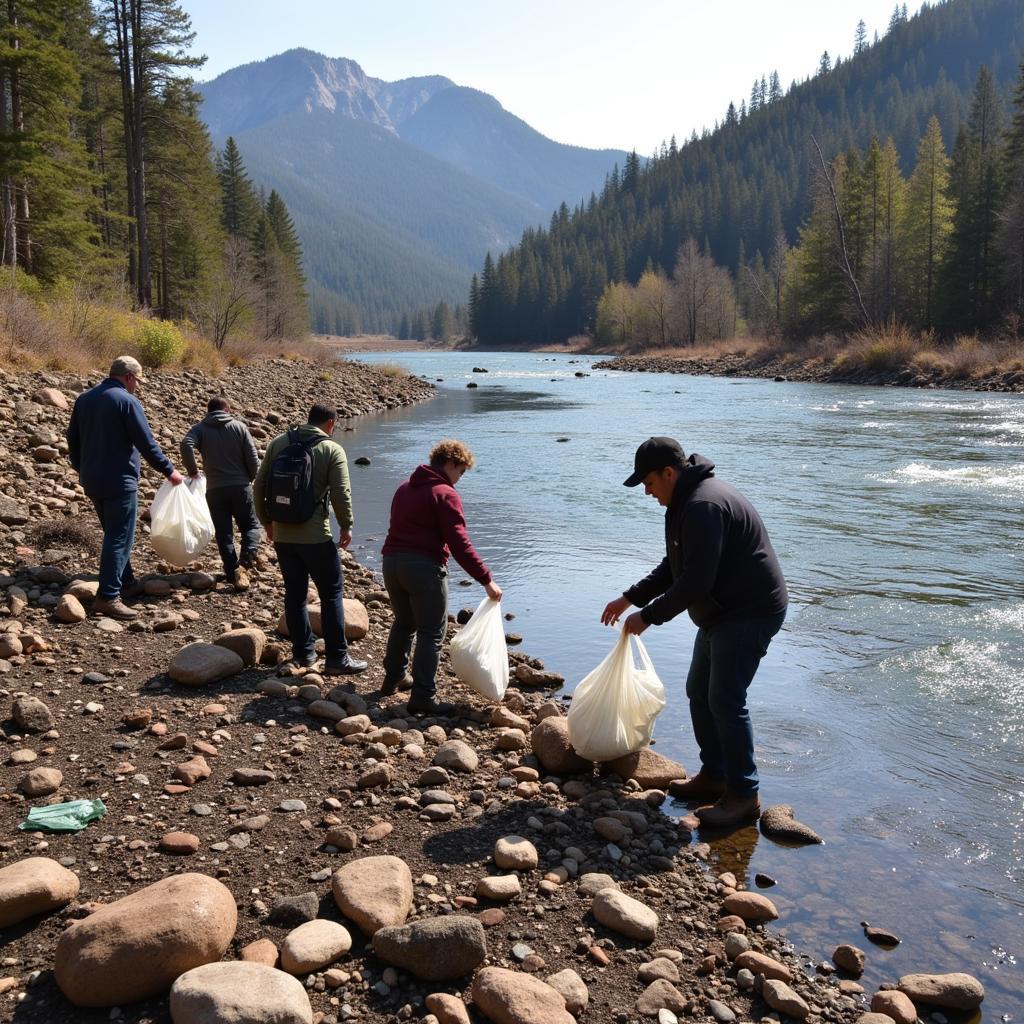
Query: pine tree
403, 328
240, 209
1010, 237
860, 38
474, 307
151, 39
971, 273
926, 226
825, 64
44, 180
774, 88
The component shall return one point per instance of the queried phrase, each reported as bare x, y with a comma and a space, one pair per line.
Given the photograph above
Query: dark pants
725, 658
117, 517
418, 588
230, 505
320, 562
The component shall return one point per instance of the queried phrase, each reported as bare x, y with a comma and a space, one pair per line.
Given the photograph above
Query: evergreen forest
888, 187
112, 199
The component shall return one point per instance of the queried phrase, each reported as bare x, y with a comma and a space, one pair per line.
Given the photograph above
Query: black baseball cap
655, 453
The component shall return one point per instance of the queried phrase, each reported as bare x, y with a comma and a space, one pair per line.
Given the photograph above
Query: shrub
392, 370
888, 347
159, 342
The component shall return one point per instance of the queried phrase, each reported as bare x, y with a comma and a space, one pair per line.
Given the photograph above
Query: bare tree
231, 297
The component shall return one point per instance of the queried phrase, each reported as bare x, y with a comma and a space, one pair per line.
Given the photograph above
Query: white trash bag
180, 526
613, 709
479, 655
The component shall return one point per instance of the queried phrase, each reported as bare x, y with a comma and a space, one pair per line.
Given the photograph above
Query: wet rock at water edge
778, 822
956, 991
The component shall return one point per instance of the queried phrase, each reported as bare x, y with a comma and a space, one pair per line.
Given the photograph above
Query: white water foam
1009, 478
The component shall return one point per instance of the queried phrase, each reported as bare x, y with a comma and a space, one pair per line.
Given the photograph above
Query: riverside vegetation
880, 200
316, 853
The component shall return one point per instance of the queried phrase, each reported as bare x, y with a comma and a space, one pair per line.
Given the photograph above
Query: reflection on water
889, 712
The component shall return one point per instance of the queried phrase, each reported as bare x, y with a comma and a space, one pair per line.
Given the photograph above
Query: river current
889, 711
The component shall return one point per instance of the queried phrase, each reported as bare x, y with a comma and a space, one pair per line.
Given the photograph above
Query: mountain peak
304, 80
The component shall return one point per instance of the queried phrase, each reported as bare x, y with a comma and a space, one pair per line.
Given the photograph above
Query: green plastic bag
72, 816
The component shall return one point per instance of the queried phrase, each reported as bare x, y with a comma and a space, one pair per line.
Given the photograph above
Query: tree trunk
9, 249
22, 227
138, 72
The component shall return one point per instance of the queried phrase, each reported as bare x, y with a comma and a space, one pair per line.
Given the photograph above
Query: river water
890, 710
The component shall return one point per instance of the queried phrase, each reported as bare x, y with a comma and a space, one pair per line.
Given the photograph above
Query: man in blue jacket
107, 433
720, 567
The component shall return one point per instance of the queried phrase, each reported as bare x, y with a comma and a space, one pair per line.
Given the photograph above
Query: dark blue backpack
291, 495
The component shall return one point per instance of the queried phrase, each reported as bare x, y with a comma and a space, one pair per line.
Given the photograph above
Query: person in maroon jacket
427, 525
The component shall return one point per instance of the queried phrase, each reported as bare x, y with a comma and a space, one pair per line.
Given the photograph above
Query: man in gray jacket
230, 462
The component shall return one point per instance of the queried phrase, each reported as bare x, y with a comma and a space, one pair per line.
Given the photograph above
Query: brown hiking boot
241, 579
115, 609
729, 810
700, 787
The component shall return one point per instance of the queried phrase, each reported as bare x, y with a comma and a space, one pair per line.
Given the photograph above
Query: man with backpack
230, 462
301, 472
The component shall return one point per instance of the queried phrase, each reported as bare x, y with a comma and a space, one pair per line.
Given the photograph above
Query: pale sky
588, 72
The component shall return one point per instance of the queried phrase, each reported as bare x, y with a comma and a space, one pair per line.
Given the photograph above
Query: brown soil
127, 770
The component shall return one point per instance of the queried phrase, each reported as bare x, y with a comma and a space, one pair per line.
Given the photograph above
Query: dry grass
392, 369
70, 327
889, 348
65, 533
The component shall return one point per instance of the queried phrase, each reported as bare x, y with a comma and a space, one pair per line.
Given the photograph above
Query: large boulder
32, 715
41, 782
314, 945
238, 992
248, 644
514, 853
137, 946
512, 997
779, 996
550, 742
651, 770
623, 914
69, 609
198, 663
778, 822
955, 991
751, 906
435, 949
357, 619
374, 892
456, 756
33, 886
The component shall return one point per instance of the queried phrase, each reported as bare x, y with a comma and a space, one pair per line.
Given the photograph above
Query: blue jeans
299, 563
725, 658
117, 517
230, 505
418, 588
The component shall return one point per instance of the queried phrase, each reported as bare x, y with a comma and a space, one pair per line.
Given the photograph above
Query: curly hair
450, 450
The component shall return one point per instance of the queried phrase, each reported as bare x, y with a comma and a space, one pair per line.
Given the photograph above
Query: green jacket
330, 476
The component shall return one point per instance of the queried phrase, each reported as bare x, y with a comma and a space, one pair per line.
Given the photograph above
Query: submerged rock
778, 822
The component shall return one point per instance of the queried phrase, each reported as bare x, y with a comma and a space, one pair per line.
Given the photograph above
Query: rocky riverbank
276, 847
791, 366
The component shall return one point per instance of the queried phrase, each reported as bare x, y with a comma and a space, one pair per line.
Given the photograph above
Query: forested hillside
113, 206
398, 188
747, 192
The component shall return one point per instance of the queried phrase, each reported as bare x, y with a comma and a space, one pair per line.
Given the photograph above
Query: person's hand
634, 625
493, 591
193, 477
176, 478
613, 609
345, 539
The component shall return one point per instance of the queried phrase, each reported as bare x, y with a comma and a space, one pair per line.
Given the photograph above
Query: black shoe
392, 686
348, 666
430, 707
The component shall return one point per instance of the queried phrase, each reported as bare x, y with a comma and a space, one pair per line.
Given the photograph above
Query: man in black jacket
230, 462
721, 568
